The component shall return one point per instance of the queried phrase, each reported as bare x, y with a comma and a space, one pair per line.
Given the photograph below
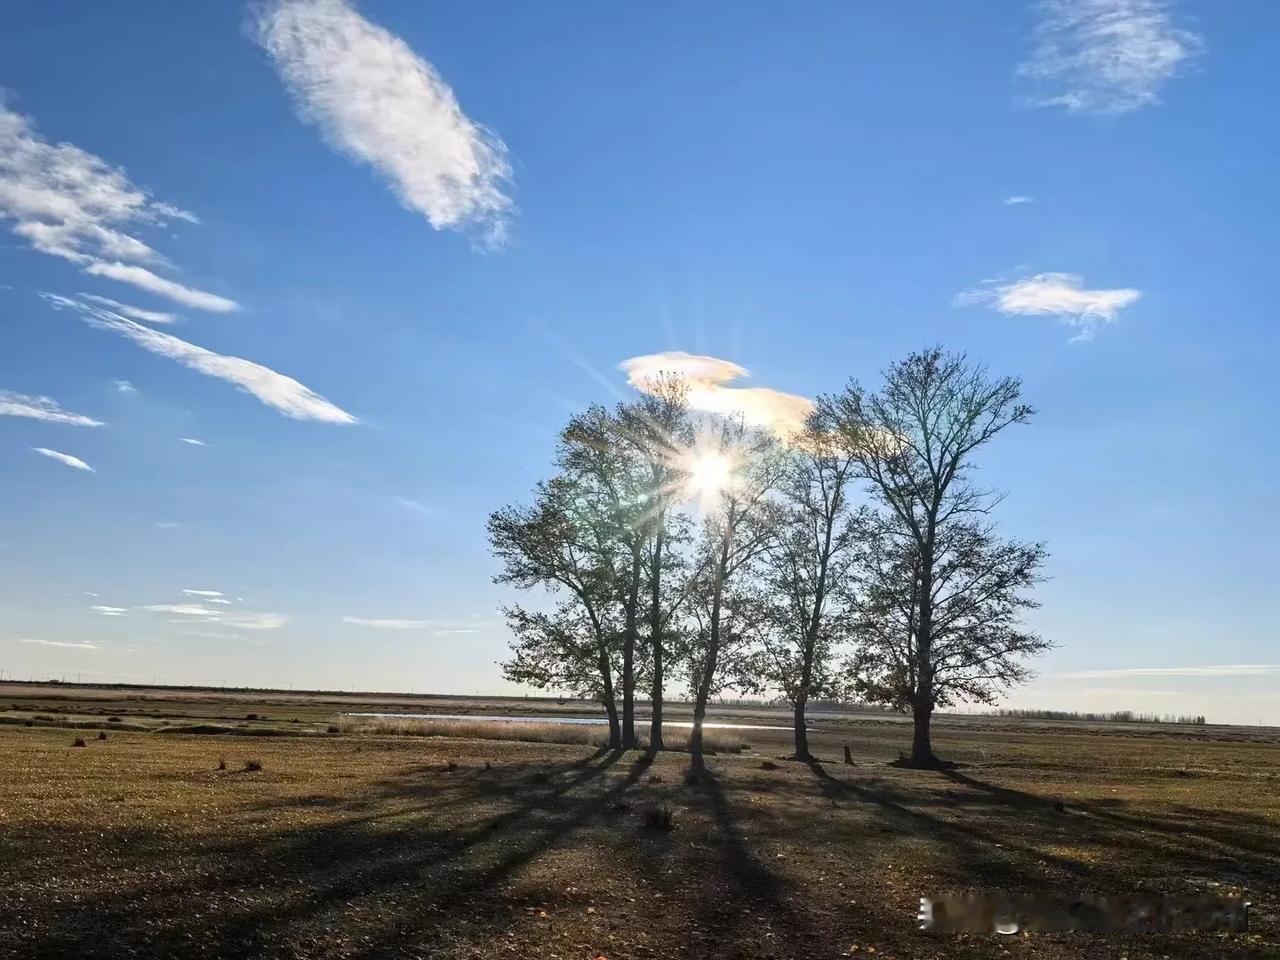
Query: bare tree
808, 564
914, 443
562, 543
562, 650
656, 427
976, 645
595, 450
737, 528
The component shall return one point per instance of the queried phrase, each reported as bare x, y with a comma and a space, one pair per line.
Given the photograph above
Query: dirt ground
364, 847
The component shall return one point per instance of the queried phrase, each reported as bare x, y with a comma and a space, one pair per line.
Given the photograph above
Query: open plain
179, 835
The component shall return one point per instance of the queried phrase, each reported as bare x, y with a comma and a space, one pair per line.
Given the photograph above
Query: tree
737, 528
656, 428
808, 565
976, 646
594, 449
913, 443
562, 543
561, 650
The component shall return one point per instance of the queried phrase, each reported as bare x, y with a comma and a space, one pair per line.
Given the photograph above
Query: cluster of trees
852, 558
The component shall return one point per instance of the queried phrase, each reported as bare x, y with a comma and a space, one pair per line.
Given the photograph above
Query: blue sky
426, 288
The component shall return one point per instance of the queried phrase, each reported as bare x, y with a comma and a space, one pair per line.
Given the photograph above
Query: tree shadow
396, 883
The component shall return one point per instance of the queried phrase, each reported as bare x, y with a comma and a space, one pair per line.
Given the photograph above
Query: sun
710, 472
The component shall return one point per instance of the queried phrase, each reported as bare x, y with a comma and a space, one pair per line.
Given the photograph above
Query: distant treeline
1116, 716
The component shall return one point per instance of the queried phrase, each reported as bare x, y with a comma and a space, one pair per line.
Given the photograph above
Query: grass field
364, 845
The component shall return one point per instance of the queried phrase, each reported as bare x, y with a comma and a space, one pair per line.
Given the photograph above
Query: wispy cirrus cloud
202, 613
203, 593
377, 101
68, 203
132, 312
107, 611
1216, 670
1060, 295
124, 386
1106, 56
1018, 200
41, 408
387, 624
66, 458
708, 380
58, 643
192, 441
277, 391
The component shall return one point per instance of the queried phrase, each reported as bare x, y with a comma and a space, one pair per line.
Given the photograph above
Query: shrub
222, 763
768, 765
113, 719
102, 734
251, 716
78, 742
658, 816
334, 728
252, 766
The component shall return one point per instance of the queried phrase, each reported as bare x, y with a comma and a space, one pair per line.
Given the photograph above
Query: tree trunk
713, 658
922, 702
802, 732
921, 748
655, 633
615, 732
607, 698
629, 655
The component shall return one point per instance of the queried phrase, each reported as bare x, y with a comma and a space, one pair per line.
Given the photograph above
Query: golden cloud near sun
707, 379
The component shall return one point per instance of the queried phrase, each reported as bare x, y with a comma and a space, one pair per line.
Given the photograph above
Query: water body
593, 721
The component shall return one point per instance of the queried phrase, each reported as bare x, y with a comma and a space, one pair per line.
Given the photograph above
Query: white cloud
1221, 670
1061, 295
377, 101
68, 203
182, 609
41, 408
124, 386
1017, 200
204, 593
199, 613
66, 458
706, 377
193, 441
384, 624
59, 643
135, 313
274, 389
254, 621
416, 506
109, 611
149, 280
1106, 56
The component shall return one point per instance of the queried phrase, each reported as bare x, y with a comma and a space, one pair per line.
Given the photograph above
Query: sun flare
709, 473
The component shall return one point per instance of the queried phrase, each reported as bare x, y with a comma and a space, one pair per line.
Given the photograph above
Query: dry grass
590, 735
356, 848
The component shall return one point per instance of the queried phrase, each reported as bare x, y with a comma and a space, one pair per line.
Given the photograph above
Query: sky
293, 294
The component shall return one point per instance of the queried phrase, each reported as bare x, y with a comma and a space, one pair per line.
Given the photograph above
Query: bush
113, 719
658, 816
768, 765
334, 728
251, 716
222, 763
252, 766
78, 742
102, 734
